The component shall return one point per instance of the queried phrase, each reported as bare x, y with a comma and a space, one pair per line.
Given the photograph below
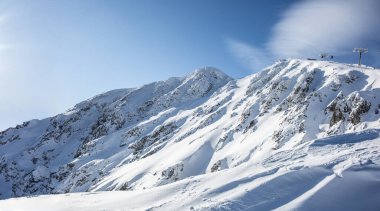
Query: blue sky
54, 54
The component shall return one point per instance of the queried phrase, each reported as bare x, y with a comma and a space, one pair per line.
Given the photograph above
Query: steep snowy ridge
281, 138
55, 142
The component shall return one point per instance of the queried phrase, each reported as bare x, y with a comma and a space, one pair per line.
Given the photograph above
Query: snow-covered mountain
295, 134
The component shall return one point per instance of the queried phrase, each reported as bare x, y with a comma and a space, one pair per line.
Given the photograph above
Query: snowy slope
290, 136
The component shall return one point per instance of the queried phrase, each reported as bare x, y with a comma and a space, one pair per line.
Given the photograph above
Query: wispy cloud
314, 26
4, 17
5, 46
249, 56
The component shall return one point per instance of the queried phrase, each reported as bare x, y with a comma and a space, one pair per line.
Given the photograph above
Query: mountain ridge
291, 118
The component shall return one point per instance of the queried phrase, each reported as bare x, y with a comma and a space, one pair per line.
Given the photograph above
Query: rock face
167, 131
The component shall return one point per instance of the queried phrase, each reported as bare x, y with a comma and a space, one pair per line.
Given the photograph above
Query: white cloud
314, 26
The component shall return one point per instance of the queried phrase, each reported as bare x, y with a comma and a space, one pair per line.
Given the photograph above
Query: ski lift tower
360, 51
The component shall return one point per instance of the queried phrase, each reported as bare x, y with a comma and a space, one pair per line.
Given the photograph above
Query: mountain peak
209, 69
210, 72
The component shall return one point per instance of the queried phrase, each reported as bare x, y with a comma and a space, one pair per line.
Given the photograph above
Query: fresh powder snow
299, 135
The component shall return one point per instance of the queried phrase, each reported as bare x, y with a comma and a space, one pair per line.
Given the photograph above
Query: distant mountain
291, 136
